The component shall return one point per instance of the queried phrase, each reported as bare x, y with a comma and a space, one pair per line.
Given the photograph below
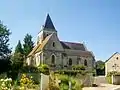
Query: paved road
104, 87
102, 84
100, 79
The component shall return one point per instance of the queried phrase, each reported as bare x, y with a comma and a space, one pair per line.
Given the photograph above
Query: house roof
48, 23
39, 47
78, 53
111, 56
73, 46
44, 43
33, 50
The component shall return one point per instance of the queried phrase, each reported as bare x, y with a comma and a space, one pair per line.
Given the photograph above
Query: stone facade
58, 54
113, 63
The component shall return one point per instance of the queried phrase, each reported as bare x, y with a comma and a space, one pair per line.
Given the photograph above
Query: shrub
44, 69
109, 79
6, 84
30, 69
78, 67
52, 86
26, 82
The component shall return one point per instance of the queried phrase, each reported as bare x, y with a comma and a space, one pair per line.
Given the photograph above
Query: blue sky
94, 22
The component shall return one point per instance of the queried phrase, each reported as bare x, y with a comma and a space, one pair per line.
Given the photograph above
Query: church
58, 54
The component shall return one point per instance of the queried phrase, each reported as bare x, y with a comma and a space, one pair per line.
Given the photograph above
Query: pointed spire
48, 23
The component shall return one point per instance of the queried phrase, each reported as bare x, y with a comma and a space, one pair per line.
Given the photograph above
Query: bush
44, 69
78, 67
64, 84
30, 69
109, 79
6, 84
109, 76
26, 82
71, 72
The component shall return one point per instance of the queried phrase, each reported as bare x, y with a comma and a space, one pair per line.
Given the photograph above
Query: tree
19, 48
28, 44
4, 48
4, 39
100, 67
17, 62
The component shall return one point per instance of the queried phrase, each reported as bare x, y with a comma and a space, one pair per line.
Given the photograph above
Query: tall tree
5, 51
19, 48
17, 61
28, 44
4, 39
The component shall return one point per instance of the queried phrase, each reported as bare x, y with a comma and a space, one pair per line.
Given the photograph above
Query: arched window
85, 62
53, 44
70, 61
53, 59
78, 60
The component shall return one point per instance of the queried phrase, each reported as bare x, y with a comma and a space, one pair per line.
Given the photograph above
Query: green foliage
52, 86
100, 68
4, 39
44, 69
113, 73
6, 84
100, 65
109, 79
72, 72
64, 79
78, 67
28, 44
26, 82
17, 64
64, 82
19, 48
29, 69
109, 76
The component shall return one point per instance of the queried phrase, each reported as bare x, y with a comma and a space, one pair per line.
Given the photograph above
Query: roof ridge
71, 42
112, 56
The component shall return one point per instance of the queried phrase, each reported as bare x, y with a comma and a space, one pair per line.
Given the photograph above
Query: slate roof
48, 23
79, 53
73, 46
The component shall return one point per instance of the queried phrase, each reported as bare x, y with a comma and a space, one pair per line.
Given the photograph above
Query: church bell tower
47, 29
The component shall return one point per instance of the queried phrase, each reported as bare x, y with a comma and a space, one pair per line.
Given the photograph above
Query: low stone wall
116, 79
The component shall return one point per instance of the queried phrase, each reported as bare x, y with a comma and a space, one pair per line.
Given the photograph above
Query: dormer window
53, 44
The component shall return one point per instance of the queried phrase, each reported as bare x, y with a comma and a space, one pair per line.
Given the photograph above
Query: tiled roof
78, 53
73, 46
39, 47
33, 50
48, 23
44, 43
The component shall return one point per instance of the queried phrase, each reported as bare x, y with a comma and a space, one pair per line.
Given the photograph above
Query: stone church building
58, 54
